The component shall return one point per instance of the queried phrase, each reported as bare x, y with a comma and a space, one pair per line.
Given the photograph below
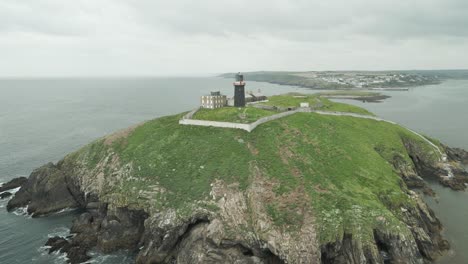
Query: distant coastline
349, 80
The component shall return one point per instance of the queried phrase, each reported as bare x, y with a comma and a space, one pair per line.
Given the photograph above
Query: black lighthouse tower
239, 91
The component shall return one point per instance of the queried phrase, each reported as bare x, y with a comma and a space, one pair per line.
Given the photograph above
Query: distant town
367, 80
397, 80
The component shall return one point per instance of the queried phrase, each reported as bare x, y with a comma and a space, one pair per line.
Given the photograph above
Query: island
318, 182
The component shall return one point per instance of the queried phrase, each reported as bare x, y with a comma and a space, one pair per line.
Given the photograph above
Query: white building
214, 100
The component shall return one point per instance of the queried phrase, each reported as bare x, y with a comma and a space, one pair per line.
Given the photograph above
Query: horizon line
201, 75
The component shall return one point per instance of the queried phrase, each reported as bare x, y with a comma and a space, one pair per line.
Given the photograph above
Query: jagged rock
15, 183
77, 255
410, 176
349, 251
456, 183
162, 233
84, 223
424, 165
196, 240
199, 238
121, 229
5, 195
56, 243
426, 168
197, 247
457, 154
46, 191
426, 229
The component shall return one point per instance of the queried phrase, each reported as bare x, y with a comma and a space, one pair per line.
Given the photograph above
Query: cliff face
306, 189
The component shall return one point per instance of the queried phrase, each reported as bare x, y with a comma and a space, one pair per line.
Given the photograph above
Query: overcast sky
187, 37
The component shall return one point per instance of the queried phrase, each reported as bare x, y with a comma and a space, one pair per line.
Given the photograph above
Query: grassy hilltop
340, 170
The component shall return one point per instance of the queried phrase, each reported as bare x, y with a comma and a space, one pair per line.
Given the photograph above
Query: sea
42, 120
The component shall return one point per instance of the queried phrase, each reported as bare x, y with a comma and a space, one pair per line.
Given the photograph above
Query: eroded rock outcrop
449, 170
12, 184
5, 195
457, 154
231, 235
45, 192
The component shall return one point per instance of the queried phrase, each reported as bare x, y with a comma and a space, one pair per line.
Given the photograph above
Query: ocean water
43, 120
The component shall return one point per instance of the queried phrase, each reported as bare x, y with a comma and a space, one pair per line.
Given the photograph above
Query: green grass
341, 107
233, 114
340, 167
291, 100
294, 100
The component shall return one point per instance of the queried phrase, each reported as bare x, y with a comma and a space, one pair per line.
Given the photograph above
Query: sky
46, 38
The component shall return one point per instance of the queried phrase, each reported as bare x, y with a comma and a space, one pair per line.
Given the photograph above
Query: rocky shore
14, 183
165, 238
6, 188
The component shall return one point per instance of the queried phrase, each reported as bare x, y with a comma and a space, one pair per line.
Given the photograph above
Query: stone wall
247, 127
190, 114
274, 117
207, 123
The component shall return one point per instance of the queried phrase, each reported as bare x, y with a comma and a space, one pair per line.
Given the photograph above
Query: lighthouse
239, 91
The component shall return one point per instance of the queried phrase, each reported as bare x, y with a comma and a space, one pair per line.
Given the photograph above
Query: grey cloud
296, 20
310, 19
42, 16
82, 37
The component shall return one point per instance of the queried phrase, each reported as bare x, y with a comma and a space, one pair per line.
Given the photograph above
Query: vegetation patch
233, 114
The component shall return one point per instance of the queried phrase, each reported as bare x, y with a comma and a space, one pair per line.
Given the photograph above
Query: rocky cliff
304, 189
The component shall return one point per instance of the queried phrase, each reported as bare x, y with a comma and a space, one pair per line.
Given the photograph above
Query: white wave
61, 258
60, 232
121, 257
12, 191
44, 250
65, 210
55, 257
15, 190
22, 211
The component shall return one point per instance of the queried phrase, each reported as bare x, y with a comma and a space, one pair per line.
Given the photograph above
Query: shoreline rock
457, 154
200, 237
12, 184
5, 195
46, 191
424, 168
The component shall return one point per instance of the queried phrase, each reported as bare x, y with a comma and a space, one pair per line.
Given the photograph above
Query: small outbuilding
305, 105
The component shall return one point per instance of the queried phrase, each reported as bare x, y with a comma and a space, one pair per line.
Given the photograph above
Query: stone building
214, 100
